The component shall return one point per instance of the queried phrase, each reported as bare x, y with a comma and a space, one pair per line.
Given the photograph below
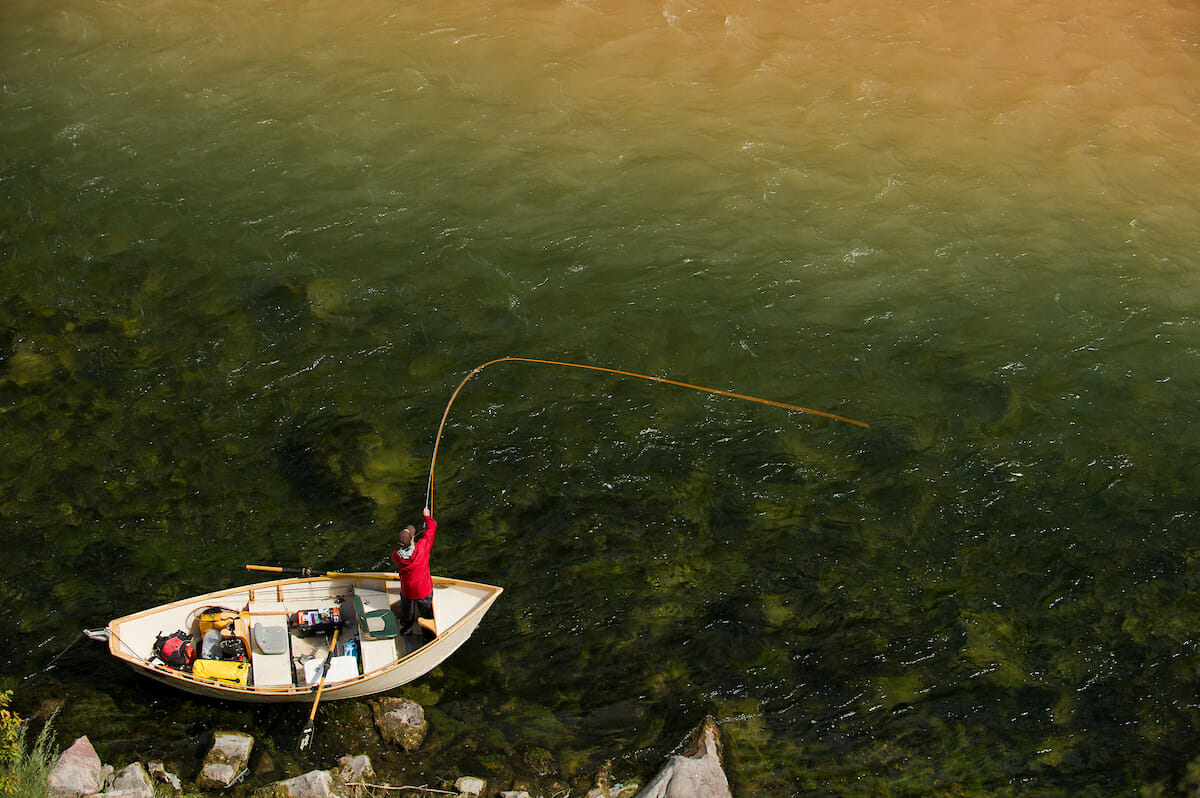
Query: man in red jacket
411, 559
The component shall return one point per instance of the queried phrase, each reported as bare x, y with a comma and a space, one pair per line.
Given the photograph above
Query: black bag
175, 650
233, 648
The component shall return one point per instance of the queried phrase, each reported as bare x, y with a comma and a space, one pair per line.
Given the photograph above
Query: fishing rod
650, 377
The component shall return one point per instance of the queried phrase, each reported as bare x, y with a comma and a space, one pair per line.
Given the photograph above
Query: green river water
248, 250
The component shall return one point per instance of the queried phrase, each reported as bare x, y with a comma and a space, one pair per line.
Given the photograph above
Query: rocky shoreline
80, 773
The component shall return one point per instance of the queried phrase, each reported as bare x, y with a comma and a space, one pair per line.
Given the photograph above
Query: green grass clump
24, 768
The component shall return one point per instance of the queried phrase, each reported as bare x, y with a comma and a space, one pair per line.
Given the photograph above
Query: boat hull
379, 665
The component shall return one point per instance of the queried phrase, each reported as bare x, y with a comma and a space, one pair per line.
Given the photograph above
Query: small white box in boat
340, 669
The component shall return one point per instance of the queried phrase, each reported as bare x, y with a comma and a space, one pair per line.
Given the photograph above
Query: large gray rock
697, 775
77, 772
131, 782
401, 722
314, 784
226, 762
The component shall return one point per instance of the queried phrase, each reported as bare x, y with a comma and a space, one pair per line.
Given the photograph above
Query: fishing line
59, 656
650, 377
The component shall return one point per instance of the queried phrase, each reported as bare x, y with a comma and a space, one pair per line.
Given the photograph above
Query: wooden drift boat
286, 628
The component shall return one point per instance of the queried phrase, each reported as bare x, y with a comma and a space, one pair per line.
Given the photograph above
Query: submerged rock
227, 760
159, 771
401, 722
353, 769
321, 457
697, 775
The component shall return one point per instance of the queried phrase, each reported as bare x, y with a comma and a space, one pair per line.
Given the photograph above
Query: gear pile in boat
223, 654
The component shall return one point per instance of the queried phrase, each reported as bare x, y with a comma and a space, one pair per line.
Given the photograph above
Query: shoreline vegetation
232, 767
24, 764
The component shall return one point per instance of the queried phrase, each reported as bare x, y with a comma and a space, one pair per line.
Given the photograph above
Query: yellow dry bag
222, 670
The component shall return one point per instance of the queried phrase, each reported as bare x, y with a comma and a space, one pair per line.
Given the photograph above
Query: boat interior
288, 644
278, 636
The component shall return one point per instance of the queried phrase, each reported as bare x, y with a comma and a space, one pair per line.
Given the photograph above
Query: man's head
405, 540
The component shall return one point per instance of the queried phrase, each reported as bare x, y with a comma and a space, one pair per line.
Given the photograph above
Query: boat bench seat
374, 624
270, 647
376, 654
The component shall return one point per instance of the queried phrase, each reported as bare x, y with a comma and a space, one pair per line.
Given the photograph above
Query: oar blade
306, 735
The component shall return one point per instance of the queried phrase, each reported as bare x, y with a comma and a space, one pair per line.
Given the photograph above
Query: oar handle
275, 569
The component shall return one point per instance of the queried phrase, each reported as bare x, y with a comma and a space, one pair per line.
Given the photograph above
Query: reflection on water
248, 251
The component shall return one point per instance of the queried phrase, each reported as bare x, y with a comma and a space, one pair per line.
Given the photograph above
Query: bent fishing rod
649, 377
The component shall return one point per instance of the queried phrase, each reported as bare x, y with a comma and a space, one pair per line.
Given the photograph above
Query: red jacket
415, 581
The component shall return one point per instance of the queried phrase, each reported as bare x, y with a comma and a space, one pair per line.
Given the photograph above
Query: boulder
77, 772
314, 784
226, 761
697, 775
131, 782
470, 787
401, 722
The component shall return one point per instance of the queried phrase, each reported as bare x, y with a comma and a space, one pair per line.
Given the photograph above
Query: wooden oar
306, 735
313, 572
